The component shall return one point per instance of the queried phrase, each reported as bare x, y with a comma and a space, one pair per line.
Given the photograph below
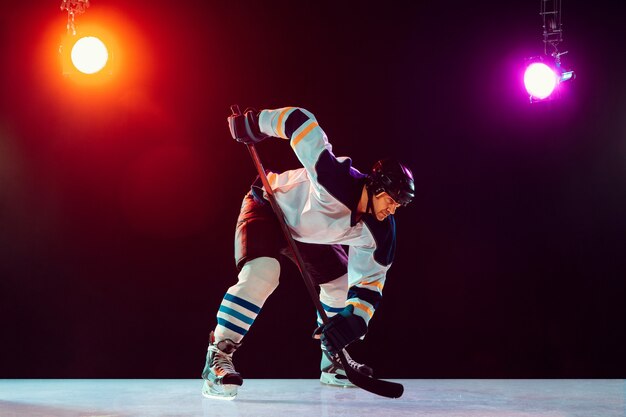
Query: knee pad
258, 278
335, 292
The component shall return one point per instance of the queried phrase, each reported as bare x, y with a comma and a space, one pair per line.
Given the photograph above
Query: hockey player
326, 204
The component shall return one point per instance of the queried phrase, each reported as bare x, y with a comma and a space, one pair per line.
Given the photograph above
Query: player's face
383, 205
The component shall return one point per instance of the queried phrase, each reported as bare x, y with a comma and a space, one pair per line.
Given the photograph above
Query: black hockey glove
341, 330
245, 127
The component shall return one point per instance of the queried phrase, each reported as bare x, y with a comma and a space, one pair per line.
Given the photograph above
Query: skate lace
359, 367
223, 363
353, 364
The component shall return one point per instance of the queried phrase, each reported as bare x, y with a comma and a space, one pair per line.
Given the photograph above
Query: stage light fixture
540, 80
86, 53
545, 74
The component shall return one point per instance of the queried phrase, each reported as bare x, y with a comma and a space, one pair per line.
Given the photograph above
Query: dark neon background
119, 194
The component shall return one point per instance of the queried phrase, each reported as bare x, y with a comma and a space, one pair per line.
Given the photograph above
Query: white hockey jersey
320, 201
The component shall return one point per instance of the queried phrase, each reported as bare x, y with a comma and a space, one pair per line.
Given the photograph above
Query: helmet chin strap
370, 205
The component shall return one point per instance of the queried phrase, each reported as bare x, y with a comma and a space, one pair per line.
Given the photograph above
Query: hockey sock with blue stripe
243, 301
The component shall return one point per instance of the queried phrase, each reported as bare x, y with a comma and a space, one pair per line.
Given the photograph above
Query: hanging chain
552, 29
73, 7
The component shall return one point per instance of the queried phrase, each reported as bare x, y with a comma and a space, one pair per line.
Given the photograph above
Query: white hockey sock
243, 301
333, 296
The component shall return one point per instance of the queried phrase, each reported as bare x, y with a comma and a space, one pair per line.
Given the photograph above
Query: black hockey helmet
393, 178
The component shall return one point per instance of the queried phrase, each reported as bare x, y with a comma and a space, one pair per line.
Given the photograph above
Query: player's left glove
245, 127
341, 330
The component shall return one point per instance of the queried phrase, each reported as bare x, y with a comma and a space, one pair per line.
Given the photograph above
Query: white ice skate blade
219, 392
335, 380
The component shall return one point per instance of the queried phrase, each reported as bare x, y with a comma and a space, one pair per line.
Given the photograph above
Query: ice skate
333, 372
221, 381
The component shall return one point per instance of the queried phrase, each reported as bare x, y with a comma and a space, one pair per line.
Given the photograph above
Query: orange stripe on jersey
302, 134
376, 284
360, 306
279, 126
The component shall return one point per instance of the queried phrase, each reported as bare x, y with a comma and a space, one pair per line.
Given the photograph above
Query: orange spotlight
90, 58
121, 60
89, 55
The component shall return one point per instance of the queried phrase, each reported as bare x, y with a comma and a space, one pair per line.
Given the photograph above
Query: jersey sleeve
300, 127
366, 280
368, 266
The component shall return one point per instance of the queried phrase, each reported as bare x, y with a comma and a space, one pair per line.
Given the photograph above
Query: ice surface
293, 397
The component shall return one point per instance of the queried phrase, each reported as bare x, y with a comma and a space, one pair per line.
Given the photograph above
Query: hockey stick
373, 385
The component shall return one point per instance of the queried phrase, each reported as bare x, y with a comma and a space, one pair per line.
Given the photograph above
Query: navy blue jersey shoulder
385, 236
340, 179
296, 119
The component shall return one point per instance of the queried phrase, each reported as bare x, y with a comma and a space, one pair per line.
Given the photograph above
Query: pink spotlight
540, 80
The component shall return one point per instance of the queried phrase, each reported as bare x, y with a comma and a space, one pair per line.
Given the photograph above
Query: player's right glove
245, 127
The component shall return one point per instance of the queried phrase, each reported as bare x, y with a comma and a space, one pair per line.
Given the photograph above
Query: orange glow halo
129, 58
